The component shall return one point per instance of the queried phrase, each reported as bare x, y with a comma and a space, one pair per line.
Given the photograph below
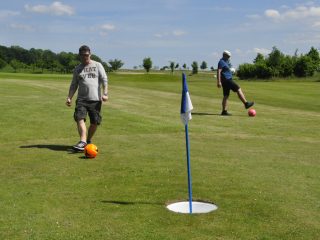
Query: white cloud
158, 35
285, 7
302, 38
7, 13
254, 16
300, 12
178, 33
263, 51
215, 54
23, 27
104, 29
107, 27
271, 13
174, 33
56, 8
316, 24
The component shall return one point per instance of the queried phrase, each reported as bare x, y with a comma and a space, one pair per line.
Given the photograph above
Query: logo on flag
186, 104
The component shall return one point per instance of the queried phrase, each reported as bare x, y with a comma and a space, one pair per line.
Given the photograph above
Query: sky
181, 31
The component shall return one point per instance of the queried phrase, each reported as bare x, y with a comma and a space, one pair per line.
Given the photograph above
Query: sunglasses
84, 54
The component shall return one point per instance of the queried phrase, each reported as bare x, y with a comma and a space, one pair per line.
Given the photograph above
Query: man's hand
219, 84
104, 98
68, 102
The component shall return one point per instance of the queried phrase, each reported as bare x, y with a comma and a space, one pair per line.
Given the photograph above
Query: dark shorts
227, 85
92, 108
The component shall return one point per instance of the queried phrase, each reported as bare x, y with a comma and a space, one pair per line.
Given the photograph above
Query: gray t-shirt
88, 79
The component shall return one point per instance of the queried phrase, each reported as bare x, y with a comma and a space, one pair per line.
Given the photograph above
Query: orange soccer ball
91, 151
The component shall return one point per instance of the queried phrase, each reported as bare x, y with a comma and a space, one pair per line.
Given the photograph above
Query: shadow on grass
205, 114
130, 202
53, 147
217, 114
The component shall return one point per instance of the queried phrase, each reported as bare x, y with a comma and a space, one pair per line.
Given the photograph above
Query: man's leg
82, 129
243, 99
224, 103
224, 106
241, 96
91, 131
95, 119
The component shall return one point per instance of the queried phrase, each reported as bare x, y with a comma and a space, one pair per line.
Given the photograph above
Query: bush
286, 68
263, 71
304, 67
246, 70
2, 63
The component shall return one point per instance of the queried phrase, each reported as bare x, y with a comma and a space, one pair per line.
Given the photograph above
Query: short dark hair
84, 48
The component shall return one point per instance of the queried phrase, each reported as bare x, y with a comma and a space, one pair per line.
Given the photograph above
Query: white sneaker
80, 146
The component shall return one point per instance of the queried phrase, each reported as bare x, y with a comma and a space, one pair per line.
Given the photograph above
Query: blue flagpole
189, 169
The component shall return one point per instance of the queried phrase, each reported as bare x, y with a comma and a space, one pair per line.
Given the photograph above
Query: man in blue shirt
224, 79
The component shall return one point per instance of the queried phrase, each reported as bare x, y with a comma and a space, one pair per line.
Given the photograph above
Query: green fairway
261, 172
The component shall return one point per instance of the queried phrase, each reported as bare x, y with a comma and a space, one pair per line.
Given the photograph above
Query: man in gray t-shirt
88, 77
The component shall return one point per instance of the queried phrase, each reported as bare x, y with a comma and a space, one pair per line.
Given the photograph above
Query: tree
72, 64
115, 64
259, 58
20, 54
147, 64
274, 61
65, 59
173, 66
96, 58
34, 55
15, 64
184, 66
2, 63
49, 58
164, 68
106, 67
195, 67
36, 58
286, 68
304, 67
5, 53
274, 58
203, 65
315, 57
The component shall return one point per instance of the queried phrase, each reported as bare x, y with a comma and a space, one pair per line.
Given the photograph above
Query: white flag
186, 104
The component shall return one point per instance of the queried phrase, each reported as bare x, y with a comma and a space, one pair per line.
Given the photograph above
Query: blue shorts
227, 85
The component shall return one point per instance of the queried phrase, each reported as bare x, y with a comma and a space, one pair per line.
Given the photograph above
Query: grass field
262, 172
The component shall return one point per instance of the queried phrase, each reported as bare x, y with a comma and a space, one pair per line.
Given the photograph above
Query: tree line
277, 64
38, 60
147, 65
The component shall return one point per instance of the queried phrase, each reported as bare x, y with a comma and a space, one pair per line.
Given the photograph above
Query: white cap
226, 52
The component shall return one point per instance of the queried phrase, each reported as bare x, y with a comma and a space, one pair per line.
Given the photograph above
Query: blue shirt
225, 66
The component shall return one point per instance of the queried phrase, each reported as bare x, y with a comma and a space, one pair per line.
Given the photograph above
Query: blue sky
182, 31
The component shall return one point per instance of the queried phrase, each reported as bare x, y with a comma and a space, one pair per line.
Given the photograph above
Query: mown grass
262, 172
